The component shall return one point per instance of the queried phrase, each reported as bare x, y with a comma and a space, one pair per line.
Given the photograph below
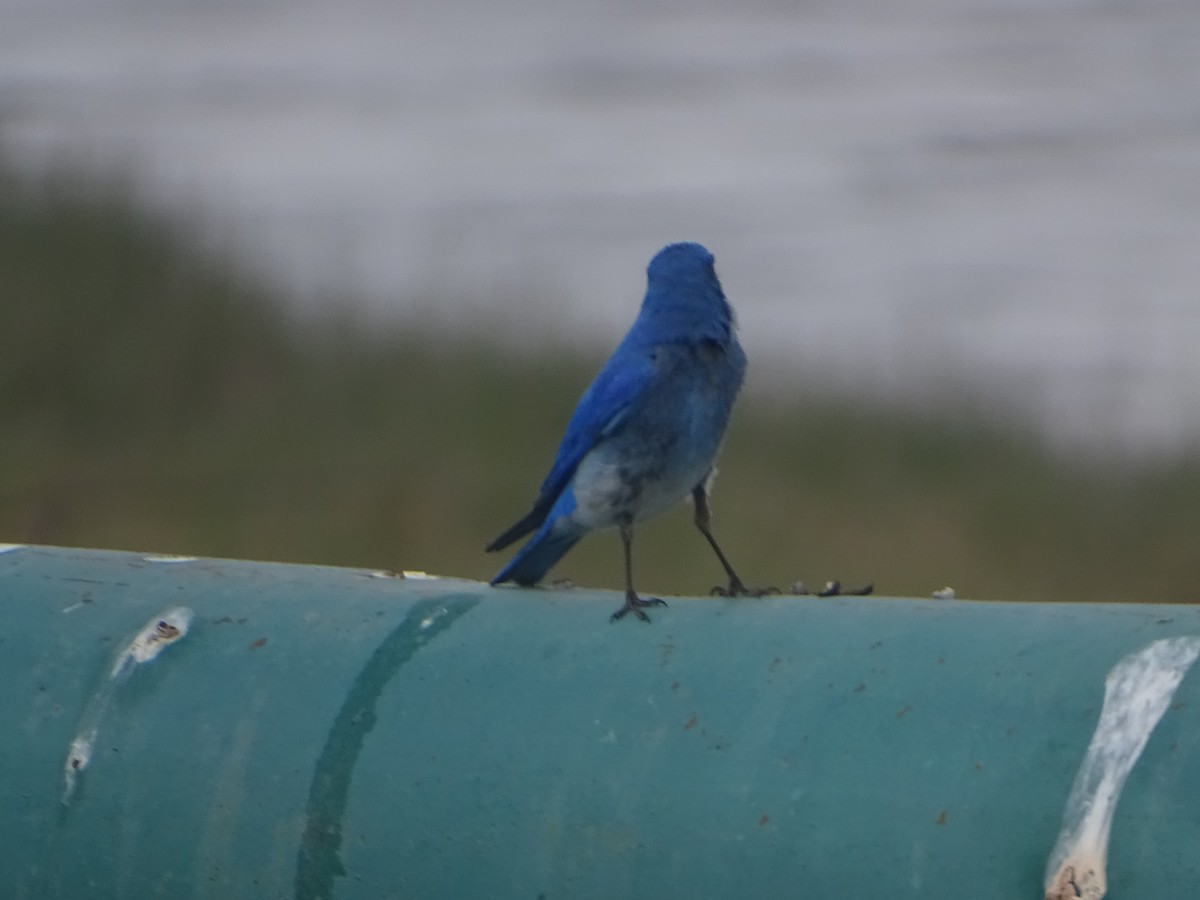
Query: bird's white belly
607, 492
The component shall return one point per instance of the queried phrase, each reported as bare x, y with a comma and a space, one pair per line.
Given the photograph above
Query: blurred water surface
999, 198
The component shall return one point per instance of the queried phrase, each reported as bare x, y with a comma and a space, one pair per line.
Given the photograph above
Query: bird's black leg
700, 502
633, 603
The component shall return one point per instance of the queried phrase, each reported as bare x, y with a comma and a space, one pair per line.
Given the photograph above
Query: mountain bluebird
646, 432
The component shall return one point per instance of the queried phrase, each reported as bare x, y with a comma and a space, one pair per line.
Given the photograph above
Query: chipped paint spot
9, 548
414, 574
83, 601
169, 558
946, 593
158, 634
1137, 692
79, 754
428, 621
155, 636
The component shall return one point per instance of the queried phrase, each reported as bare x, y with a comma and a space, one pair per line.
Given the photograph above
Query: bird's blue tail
536, 558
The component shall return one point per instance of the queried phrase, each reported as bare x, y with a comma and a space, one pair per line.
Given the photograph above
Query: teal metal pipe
209, 728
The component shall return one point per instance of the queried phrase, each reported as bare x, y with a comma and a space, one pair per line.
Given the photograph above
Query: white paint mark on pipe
169, 558
158, 634
79, 754
9, 548
155, 636
428, 621
1137, 692
414, 574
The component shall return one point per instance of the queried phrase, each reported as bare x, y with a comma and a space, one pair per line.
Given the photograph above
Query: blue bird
647, 431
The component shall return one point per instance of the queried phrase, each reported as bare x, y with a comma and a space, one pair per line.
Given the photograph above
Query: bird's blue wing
601, 410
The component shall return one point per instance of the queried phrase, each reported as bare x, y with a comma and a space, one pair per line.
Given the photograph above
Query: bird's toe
636, 605
737, 589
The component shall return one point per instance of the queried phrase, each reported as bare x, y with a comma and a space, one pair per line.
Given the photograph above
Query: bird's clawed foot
636, 605
737, 589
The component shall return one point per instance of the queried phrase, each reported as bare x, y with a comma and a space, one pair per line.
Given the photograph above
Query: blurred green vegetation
153, 397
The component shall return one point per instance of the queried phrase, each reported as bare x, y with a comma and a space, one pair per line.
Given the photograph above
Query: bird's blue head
684, 297
685, 260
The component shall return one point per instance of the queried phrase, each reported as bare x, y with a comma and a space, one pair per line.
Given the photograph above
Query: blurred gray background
998, 198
